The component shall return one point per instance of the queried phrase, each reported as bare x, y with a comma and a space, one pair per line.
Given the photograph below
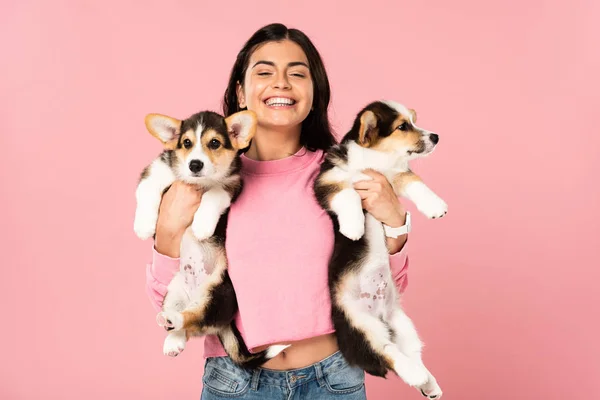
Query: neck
362, 158
270, 144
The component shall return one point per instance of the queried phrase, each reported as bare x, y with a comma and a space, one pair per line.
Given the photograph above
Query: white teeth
279, 101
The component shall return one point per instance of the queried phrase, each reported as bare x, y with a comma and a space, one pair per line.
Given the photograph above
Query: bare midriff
302, 353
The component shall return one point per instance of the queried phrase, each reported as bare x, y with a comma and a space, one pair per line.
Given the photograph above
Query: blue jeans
331, 378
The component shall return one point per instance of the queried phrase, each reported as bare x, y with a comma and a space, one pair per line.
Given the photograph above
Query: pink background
503, 290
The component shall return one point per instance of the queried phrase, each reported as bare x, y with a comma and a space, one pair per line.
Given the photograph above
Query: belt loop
255, 376
319, 373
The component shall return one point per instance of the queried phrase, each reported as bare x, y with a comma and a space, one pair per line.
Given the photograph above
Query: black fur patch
337, 154
347, 256
385, 115
208, 120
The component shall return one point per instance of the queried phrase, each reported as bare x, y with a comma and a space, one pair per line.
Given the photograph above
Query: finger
374, 174
363, 194
367, 202
363, 185
367, 185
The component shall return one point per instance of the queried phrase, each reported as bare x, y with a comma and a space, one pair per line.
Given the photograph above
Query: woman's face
278, 86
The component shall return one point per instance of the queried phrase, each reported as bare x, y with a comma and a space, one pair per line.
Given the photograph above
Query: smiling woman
279, 240
280, 91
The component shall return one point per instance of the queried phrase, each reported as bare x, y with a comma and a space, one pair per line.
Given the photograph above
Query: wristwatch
399, 231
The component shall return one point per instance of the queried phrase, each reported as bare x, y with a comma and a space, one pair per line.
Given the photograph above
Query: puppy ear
413, 114
368, 128
241, 127
165, 129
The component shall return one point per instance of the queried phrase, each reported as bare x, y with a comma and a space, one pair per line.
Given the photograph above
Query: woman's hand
379, 200
176, 213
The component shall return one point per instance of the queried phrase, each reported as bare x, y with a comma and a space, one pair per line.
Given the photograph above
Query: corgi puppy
372, 330
201, 150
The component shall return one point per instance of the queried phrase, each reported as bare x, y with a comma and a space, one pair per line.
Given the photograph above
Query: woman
278, 239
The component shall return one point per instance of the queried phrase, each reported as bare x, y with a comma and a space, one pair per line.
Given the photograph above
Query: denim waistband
287, 378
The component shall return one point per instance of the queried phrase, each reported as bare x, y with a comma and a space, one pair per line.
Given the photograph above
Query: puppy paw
353, 228
433, 207
170, 320
201, 230
144, 225
412, 374
431, 389
173, 345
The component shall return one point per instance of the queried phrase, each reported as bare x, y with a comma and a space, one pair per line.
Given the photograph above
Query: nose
434, 138
196, 166
281, 82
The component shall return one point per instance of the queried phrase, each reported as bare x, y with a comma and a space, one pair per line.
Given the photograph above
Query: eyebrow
271, 63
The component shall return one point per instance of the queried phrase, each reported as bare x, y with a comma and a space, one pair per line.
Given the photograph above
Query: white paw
201, 229
173, 345
354, 227
431, 389
144, 225
433, 207
412, 373
170, 319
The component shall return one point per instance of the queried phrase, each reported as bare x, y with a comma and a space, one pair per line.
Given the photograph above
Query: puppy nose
196, 165
434, 138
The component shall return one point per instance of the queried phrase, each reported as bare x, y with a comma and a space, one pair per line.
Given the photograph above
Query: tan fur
398, 138
333, 186
238, 142
221, 157
183, 152
152, 119
413, 113
368, 132
400, 181
192, 315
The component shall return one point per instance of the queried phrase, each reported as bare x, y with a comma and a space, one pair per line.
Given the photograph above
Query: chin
280, 123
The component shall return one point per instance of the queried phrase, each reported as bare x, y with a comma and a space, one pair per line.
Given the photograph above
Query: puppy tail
236, 348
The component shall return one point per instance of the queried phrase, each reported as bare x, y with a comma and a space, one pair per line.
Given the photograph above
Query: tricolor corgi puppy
203, 151
372, 330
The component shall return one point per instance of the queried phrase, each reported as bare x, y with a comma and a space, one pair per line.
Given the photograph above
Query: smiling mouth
279, 102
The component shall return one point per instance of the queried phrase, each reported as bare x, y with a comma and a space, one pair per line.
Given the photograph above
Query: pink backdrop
503, 290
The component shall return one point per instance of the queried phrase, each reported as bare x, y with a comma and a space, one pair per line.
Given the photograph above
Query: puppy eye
214, 144
403, 127
187, 143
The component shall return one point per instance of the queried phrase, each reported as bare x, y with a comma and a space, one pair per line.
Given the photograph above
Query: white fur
174, 343
346, 204
214, 202
274, 350
427, 202
197, 153
148, 196
165, 128
405, 348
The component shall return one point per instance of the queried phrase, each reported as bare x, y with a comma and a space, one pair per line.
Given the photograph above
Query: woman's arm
158, 275
399, 268
176, 213
379, 199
